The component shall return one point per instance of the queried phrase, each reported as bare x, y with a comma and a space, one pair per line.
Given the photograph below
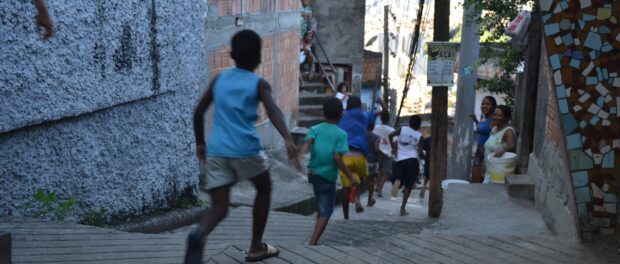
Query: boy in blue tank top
233, 152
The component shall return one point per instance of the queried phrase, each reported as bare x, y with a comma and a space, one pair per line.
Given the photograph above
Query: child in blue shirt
327, 143
233, 151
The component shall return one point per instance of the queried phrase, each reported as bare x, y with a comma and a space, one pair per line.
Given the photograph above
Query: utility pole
439, 117
463, 136
386, 56
530, 90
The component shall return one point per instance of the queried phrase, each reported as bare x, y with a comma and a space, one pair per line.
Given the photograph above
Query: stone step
306, 98
520, 186
309, 121
5, 247
311, 110
314, 87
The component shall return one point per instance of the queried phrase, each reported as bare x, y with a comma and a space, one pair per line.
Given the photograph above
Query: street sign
441, 59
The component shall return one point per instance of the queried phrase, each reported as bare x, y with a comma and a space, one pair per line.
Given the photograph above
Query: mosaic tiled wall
582, 40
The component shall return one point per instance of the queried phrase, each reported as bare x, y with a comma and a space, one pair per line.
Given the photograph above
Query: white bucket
501, 167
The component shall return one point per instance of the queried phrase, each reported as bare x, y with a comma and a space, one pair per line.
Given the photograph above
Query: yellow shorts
358, 167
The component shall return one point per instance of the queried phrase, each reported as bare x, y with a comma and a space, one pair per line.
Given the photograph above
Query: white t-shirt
343, 98
408, 141
383, 131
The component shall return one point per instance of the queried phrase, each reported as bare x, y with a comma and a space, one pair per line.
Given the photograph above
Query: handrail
318, 41
324, 73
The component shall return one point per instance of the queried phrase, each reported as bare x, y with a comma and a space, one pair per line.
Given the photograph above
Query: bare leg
423, 190
310, 61
380, 183
371, 187
260, 212
476, 174
406, 194
395, 187
321, 223
220, 197
345, 202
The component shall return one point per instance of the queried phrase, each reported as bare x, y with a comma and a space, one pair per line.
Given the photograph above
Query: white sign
441, 59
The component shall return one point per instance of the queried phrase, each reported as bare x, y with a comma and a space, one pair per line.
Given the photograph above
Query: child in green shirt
326, 143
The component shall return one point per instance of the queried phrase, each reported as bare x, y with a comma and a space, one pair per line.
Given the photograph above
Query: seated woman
305, 52
502, 137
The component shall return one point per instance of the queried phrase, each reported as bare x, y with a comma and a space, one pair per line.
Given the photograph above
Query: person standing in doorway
483, 129
233, 151
407, 150
343, 94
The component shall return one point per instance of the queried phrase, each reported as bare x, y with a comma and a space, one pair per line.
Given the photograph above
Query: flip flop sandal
359, 209
270, 251
404, 213
372, 202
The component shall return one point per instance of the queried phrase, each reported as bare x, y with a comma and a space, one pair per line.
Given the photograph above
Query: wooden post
439, 118
532, 68
386, 56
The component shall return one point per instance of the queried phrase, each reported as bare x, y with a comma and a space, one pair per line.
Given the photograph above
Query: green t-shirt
328, 140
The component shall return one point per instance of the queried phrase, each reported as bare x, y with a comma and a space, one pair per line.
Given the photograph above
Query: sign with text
441, 59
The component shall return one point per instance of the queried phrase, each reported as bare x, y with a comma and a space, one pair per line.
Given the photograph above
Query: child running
373, 162
233, 150
355, 123
327, 143
407, 150
385, 157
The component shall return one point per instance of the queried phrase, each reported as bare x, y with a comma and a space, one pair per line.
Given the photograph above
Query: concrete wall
548, 164
102, 110
340, 27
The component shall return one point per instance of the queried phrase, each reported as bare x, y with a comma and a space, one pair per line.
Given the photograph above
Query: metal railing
318, 62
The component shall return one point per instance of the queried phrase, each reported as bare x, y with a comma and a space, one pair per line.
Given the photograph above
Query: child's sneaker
193, 255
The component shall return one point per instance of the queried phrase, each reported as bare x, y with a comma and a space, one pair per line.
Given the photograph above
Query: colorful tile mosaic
582, 39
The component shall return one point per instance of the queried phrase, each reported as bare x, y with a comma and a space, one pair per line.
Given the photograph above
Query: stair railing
318, 62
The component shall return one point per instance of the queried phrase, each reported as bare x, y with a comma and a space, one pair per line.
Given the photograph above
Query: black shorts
407, 171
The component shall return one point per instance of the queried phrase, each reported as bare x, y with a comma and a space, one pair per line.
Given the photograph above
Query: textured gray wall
548, 165
340, 27
102, 110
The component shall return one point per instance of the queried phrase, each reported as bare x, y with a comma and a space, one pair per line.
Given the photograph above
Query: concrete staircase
311, 97
520, 186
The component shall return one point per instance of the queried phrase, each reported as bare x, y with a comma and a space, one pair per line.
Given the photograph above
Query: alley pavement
473, 228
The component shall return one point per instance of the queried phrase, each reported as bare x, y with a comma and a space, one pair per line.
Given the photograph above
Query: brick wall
288, 71
254, 6
228, 7
370, 69
287, 84
288, 5
553, 131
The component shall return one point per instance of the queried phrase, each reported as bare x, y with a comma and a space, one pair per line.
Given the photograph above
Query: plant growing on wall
495, 16
47, 205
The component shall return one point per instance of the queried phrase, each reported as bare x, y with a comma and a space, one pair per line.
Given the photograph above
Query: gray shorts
222, 171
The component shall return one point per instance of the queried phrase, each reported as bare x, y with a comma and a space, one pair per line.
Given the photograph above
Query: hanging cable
412, 59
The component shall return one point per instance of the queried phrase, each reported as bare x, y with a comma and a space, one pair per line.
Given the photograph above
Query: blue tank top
484, 130
235, 95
